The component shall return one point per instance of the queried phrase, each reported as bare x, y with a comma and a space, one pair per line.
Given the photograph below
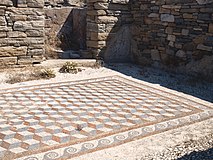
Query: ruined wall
108, 29
65, 27
31, 29
172, 33
21, 32
175, 33
62, 3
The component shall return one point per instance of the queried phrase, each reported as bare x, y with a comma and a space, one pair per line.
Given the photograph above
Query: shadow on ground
201, 155
187, 84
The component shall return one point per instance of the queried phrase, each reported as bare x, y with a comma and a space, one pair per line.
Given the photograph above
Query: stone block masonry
163, 33
21, 32
108, 29
177, 34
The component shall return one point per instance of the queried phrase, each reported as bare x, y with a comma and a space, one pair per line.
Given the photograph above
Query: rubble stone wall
175, 33
62, 3
108, 28
65, 29
21, 32
172, 33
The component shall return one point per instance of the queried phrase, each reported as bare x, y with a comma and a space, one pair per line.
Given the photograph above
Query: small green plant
47, 73
69, 67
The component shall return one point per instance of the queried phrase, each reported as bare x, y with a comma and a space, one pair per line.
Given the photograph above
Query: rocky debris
201, 149
68, 54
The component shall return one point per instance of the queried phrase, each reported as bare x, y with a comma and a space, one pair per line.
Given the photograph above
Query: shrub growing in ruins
69, 67
47, 73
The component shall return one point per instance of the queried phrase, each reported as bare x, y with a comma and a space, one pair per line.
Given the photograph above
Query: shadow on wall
115, 38
73, 32
201, 155
15, 3
114, 33
66, 3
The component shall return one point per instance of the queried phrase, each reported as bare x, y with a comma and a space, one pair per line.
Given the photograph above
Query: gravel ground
201, 149
190, 85
194, 86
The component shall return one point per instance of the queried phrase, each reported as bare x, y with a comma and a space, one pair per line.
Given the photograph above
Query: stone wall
108, 29
62, 3
65, 29
21, 32
174, 33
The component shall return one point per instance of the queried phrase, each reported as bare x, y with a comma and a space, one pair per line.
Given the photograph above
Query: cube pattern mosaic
44, 116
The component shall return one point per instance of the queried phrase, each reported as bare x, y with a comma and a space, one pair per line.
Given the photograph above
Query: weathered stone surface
34, 33
180, 34
211, 28
155, 55
12, 51
24, 60
181, 54
35, 3
122, 51
204, 48
99, 36
6, 61
168, 28
6, 3
21, 26
153, 15
171, 38
3, 34
185, 32
97, 12
2, 21
101, 6
204, 1
16, 34
17, 21
203, 66
106, 19
18, 18
167, 18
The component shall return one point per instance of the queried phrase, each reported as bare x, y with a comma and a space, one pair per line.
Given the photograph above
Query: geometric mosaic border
114, 140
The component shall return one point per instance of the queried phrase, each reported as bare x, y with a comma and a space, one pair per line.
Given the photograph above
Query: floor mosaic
63, 120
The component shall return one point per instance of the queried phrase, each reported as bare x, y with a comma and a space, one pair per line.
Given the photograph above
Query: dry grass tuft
47, 73
29, 74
